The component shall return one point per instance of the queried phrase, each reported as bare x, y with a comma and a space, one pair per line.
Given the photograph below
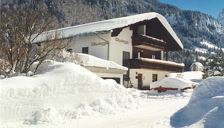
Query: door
140, 82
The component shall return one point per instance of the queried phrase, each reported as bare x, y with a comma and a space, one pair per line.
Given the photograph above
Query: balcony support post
167, 55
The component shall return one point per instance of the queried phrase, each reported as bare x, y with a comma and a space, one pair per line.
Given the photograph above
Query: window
139, 55
85, 50
154, 77
141, 29
126, 57
39, 44
153, 57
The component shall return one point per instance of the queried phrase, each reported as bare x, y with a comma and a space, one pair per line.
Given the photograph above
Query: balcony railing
148, 41
147, 63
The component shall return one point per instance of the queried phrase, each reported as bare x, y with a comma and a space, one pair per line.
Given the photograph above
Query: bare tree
20, 26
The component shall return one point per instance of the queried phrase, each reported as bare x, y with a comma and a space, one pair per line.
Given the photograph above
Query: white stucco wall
100, 48
111, 50
123, 42
97, 46
146, 76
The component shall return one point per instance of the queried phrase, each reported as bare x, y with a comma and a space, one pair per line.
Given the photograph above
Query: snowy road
155, 112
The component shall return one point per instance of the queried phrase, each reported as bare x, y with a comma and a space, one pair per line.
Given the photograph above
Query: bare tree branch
19, 27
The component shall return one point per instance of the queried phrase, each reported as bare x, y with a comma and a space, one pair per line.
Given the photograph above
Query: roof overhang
107, 26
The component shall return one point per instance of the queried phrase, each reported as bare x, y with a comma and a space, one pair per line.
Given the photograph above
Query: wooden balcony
148, 42
147, 63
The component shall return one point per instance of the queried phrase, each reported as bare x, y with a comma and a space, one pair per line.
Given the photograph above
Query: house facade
140, 42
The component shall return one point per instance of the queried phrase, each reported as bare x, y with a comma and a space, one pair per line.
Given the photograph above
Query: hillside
201, 34
221, 17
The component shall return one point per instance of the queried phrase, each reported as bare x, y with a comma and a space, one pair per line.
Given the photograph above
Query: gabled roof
108, 25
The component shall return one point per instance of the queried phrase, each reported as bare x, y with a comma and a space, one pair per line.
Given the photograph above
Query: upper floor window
142, 29
85, 50
126, 57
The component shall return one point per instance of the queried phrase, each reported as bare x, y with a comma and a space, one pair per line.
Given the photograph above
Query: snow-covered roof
198, 64
92, 61
162, 62
108, 25
172, 82
87, 60
189, 75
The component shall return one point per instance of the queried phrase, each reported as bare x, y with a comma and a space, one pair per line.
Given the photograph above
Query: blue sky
211, 7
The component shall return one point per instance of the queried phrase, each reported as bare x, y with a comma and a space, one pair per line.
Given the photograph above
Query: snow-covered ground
61, 91
65, 95
154, 111
205, 108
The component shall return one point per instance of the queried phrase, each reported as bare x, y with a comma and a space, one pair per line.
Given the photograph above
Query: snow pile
172, 82
190, 75
205, 108
86, 60
61, 91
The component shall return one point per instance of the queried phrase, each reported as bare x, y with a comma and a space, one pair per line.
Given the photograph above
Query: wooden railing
157, 65
148, 40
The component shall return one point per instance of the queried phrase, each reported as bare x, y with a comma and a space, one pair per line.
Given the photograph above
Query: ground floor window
154, 77
85, 50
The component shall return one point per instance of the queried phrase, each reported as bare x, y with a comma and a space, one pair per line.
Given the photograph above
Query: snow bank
61, 91
172, 82
191, 75
205, 108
